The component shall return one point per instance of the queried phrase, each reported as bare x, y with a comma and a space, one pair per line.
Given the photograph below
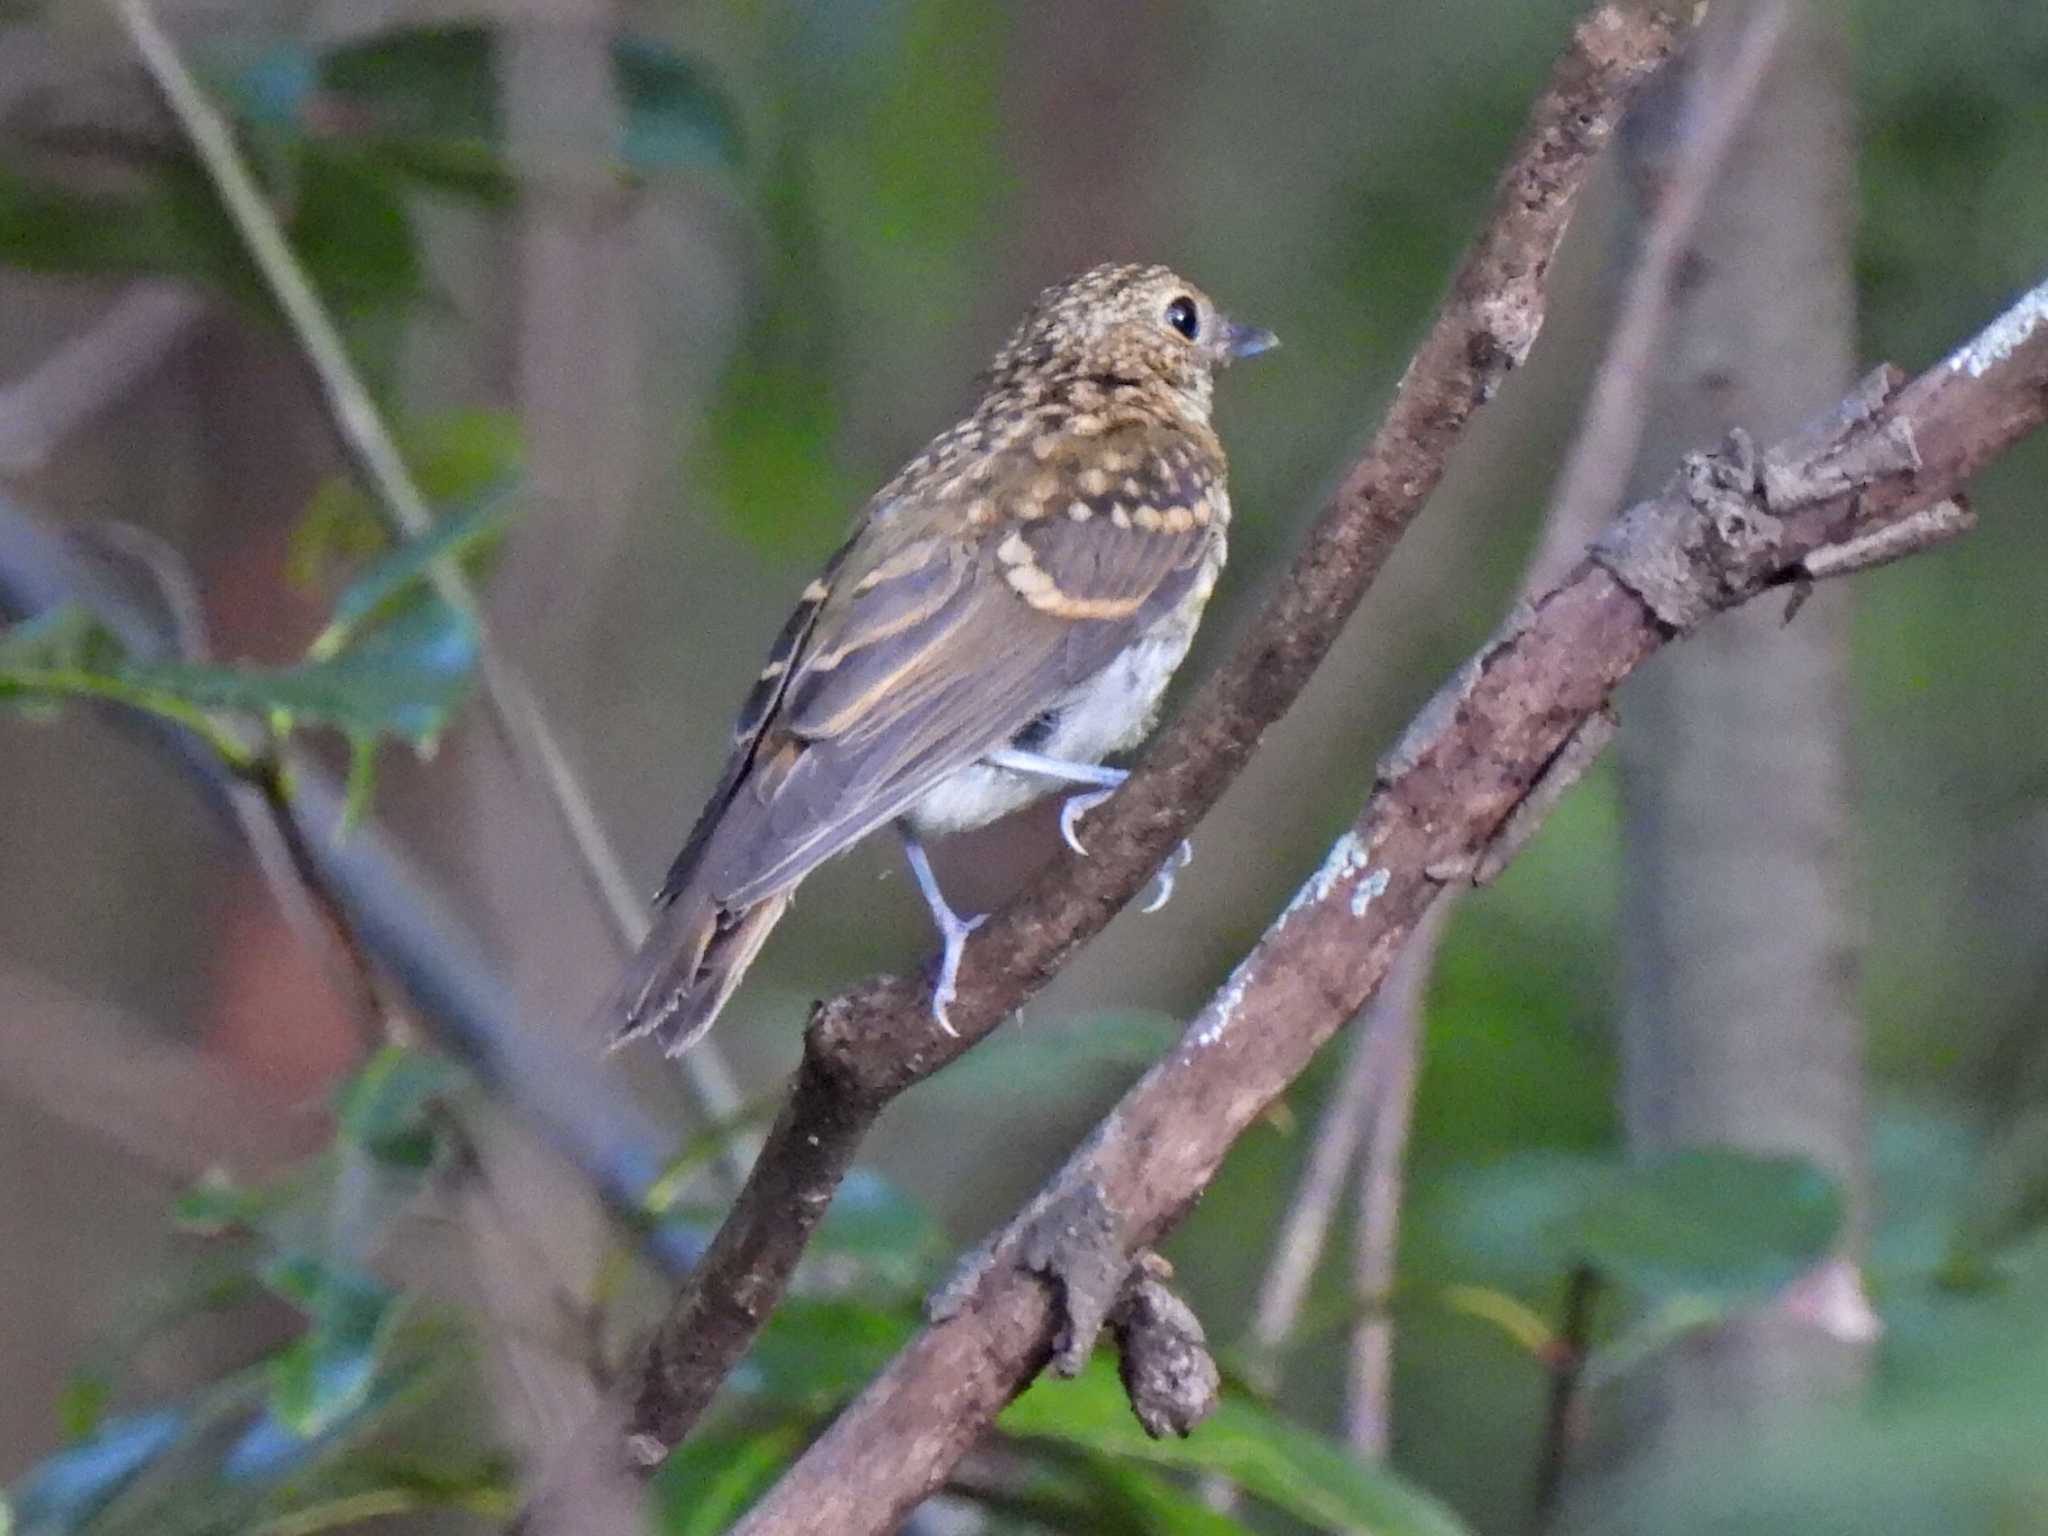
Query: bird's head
1142, 325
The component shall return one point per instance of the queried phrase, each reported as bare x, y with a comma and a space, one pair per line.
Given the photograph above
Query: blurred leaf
1706, 1223
1284, 1464
715, 1478
700, 1151
82, 1405
1710, 1222
350, 229
327, 1372
1156, 1506
771, 433
1528, 1328
773, 424
66, 653
174, 226
62, 1492
1026, 1068
459, 457
403, 679
64, 639
1504, 1219
430, 80
872, 1222
813, 1354
386, 1108
677, 115
425, 102
216, 1204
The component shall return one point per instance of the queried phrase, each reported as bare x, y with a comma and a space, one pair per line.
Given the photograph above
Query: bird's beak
1249, 341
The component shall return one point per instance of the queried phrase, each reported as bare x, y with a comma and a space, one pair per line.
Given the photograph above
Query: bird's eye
1182, 315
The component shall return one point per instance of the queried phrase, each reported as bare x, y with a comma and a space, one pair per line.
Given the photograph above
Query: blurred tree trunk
573, 375
1740, 1024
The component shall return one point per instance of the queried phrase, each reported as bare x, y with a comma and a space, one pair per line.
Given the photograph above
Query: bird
1005, 615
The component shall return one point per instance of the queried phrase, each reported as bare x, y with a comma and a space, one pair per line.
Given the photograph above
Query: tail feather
691, 963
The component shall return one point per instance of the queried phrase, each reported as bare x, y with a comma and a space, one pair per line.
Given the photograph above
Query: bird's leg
953, 928
1080, 805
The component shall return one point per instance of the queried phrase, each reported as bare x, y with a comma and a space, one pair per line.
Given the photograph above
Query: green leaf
82, 1405
1023, 1069
67, 653
381, 589
1710, 1222
1505, 1219
67, 638
431, 80
457, 458
327, 1373
890, 1236
174, 225
403, 679
1280, 1463
1156, 1505
426, 102
715, 1478
351, 231
386, 1108
677, 115
216, 1204
817, 1353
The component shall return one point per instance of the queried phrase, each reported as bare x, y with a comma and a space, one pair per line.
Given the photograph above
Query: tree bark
1739, 1021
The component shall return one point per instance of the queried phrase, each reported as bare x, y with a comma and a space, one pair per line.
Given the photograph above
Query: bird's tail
691, 962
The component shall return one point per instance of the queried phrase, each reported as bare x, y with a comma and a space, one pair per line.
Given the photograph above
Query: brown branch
1706, 106
870, 1044
1729, 526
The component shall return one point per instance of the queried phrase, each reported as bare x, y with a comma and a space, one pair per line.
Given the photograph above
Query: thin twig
1713, 106
92, 371
1589, 491
516, 713
1394, 1025
299, 886
1567, 1363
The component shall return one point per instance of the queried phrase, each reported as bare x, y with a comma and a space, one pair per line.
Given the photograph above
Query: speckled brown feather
1078, 506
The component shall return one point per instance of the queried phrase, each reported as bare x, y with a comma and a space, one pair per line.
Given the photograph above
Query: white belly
1109, 712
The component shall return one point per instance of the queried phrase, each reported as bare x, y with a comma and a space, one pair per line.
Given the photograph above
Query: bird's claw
954, 932
1163, 881
1080, 805
1076, 807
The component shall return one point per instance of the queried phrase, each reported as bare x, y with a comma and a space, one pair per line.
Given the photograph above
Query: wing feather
927, 654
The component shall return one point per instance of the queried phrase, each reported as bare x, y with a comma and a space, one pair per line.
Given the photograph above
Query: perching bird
1006, 614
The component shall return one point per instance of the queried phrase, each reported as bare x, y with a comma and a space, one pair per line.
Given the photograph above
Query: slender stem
516, 713
378, 1012
1567, 1367
1394, 1026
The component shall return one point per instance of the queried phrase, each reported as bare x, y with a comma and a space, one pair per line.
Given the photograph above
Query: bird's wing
927, 651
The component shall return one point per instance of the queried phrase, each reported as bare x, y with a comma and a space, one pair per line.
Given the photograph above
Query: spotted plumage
1028, 583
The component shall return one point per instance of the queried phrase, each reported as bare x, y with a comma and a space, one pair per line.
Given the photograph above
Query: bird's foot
1076, 807
953, 930
1162, 883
